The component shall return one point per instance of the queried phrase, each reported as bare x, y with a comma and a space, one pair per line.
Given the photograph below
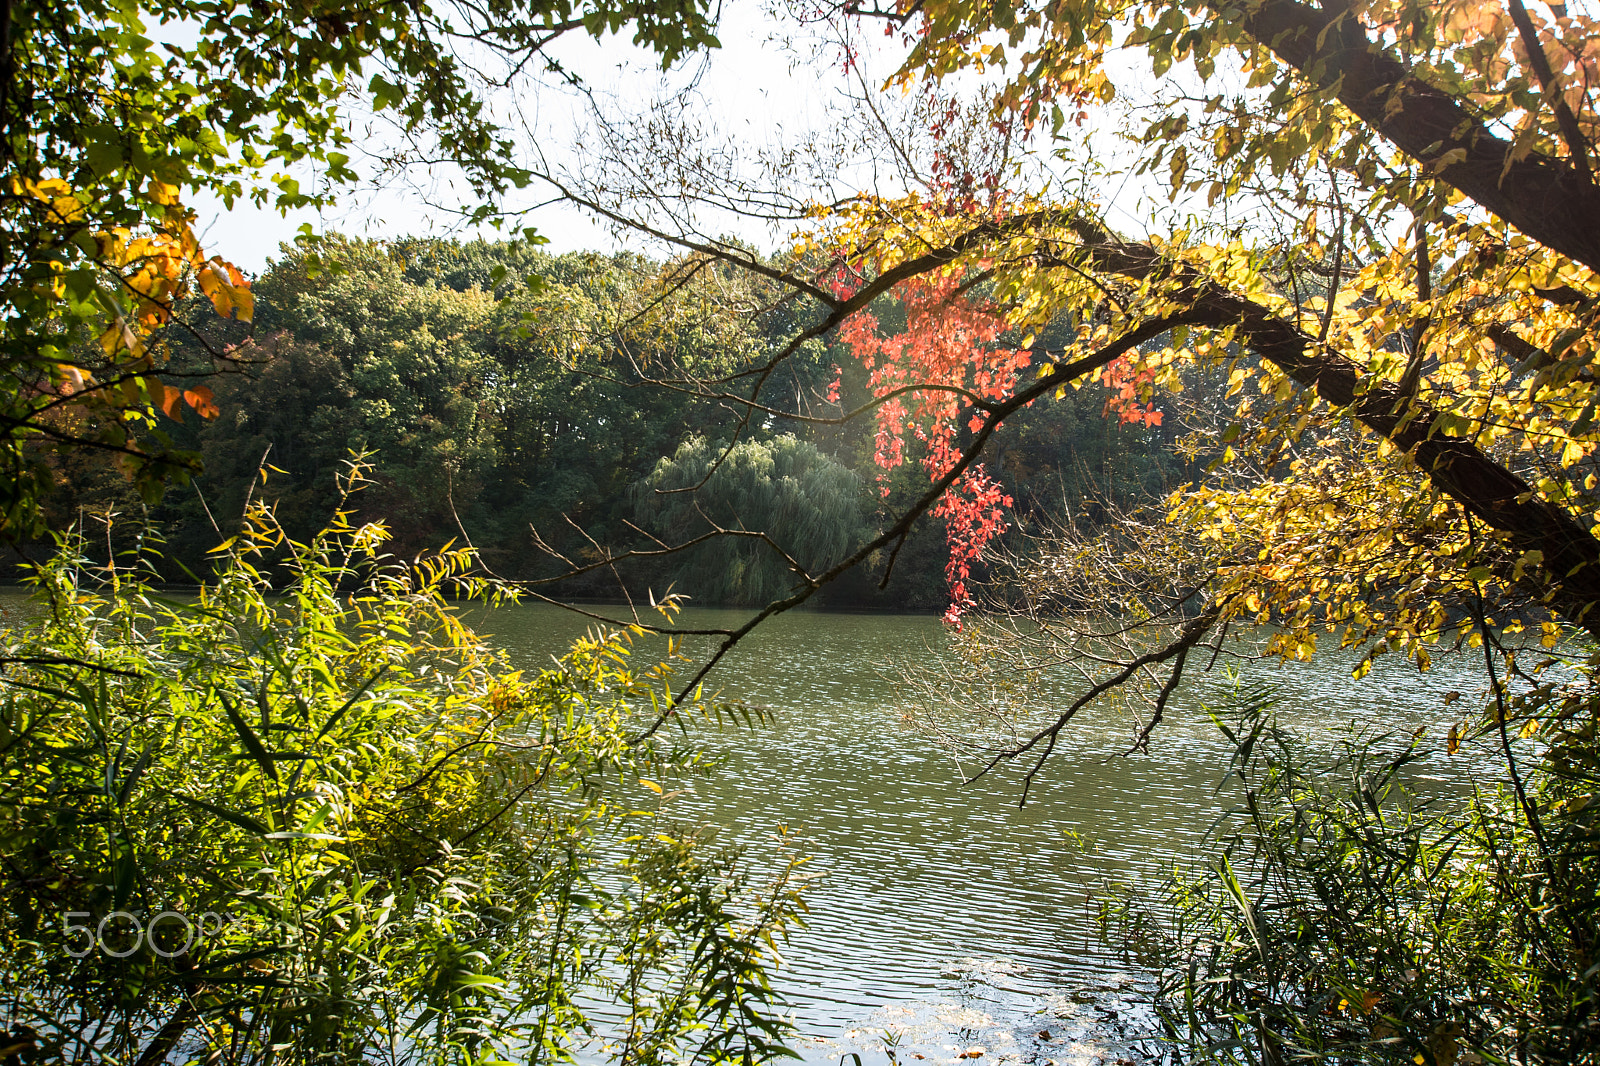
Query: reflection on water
949, 922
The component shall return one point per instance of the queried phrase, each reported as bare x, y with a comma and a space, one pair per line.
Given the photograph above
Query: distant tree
357, 360
513, 418
772, 511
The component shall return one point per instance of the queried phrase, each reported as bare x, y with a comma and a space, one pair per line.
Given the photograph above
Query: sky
765, 88
753, 88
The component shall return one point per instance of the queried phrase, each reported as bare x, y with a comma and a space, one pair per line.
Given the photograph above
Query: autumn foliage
933, 378
949, 348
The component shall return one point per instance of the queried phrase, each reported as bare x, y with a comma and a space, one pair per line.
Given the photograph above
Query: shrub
1345, 919
370, 839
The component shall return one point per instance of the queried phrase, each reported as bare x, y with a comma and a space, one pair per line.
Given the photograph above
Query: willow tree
763, 512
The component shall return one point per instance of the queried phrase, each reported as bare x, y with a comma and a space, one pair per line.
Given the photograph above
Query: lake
946, 919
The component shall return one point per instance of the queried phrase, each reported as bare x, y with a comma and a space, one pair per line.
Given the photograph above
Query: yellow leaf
162, 193
58, 194
1527, 559
118, 337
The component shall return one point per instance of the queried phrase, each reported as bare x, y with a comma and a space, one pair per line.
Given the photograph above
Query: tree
107, 134
766, 511
493, 384
1417, 354
357, 361
1454, 336
1384, 241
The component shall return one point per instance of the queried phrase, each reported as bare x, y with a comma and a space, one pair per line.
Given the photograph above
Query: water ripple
942, 902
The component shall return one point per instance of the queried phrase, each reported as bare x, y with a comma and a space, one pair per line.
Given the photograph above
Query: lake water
945, 918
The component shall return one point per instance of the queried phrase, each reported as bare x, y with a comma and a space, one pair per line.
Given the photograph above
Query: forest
516, 413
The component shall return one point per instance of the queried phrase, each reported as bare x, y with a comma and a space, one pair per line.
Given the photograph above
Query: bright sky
755, 90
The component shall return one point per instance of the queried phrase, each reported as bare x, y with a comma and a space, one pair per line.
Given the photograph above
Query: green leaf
132, 778
243, 821
247, 737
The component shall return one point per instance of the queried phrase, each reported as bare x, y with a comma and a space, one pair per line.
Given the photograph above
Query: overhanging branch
1457, 466
1547, 198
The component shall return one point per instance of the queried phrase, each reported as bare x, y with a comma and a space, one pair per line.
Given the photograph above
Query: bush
1346, 920
370, 839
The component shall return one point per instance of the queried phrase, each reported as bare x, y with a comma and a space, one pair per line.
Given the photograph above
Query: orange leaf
201, 400
229, 291
167, 397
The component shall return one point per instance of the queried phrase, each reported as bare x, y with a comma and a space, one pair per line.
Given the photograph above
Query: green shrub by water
1343, 919
380, 843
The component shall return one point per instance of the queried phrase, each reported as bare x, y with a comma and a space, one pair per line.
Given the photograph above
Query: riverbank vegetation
1374, 290
1345, 916
308, 816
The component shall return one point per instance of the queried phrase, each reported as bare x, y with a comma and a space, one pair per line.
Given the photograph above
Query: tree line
510, 397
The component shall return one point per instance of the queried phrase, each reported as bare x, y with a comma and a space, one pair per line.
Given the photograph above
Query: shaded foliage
513, 391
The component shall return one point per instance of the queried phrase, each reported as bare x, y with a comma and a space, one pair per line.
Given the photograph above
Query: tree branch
1055, 377
1565, 119
1495, 495
1551, 200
